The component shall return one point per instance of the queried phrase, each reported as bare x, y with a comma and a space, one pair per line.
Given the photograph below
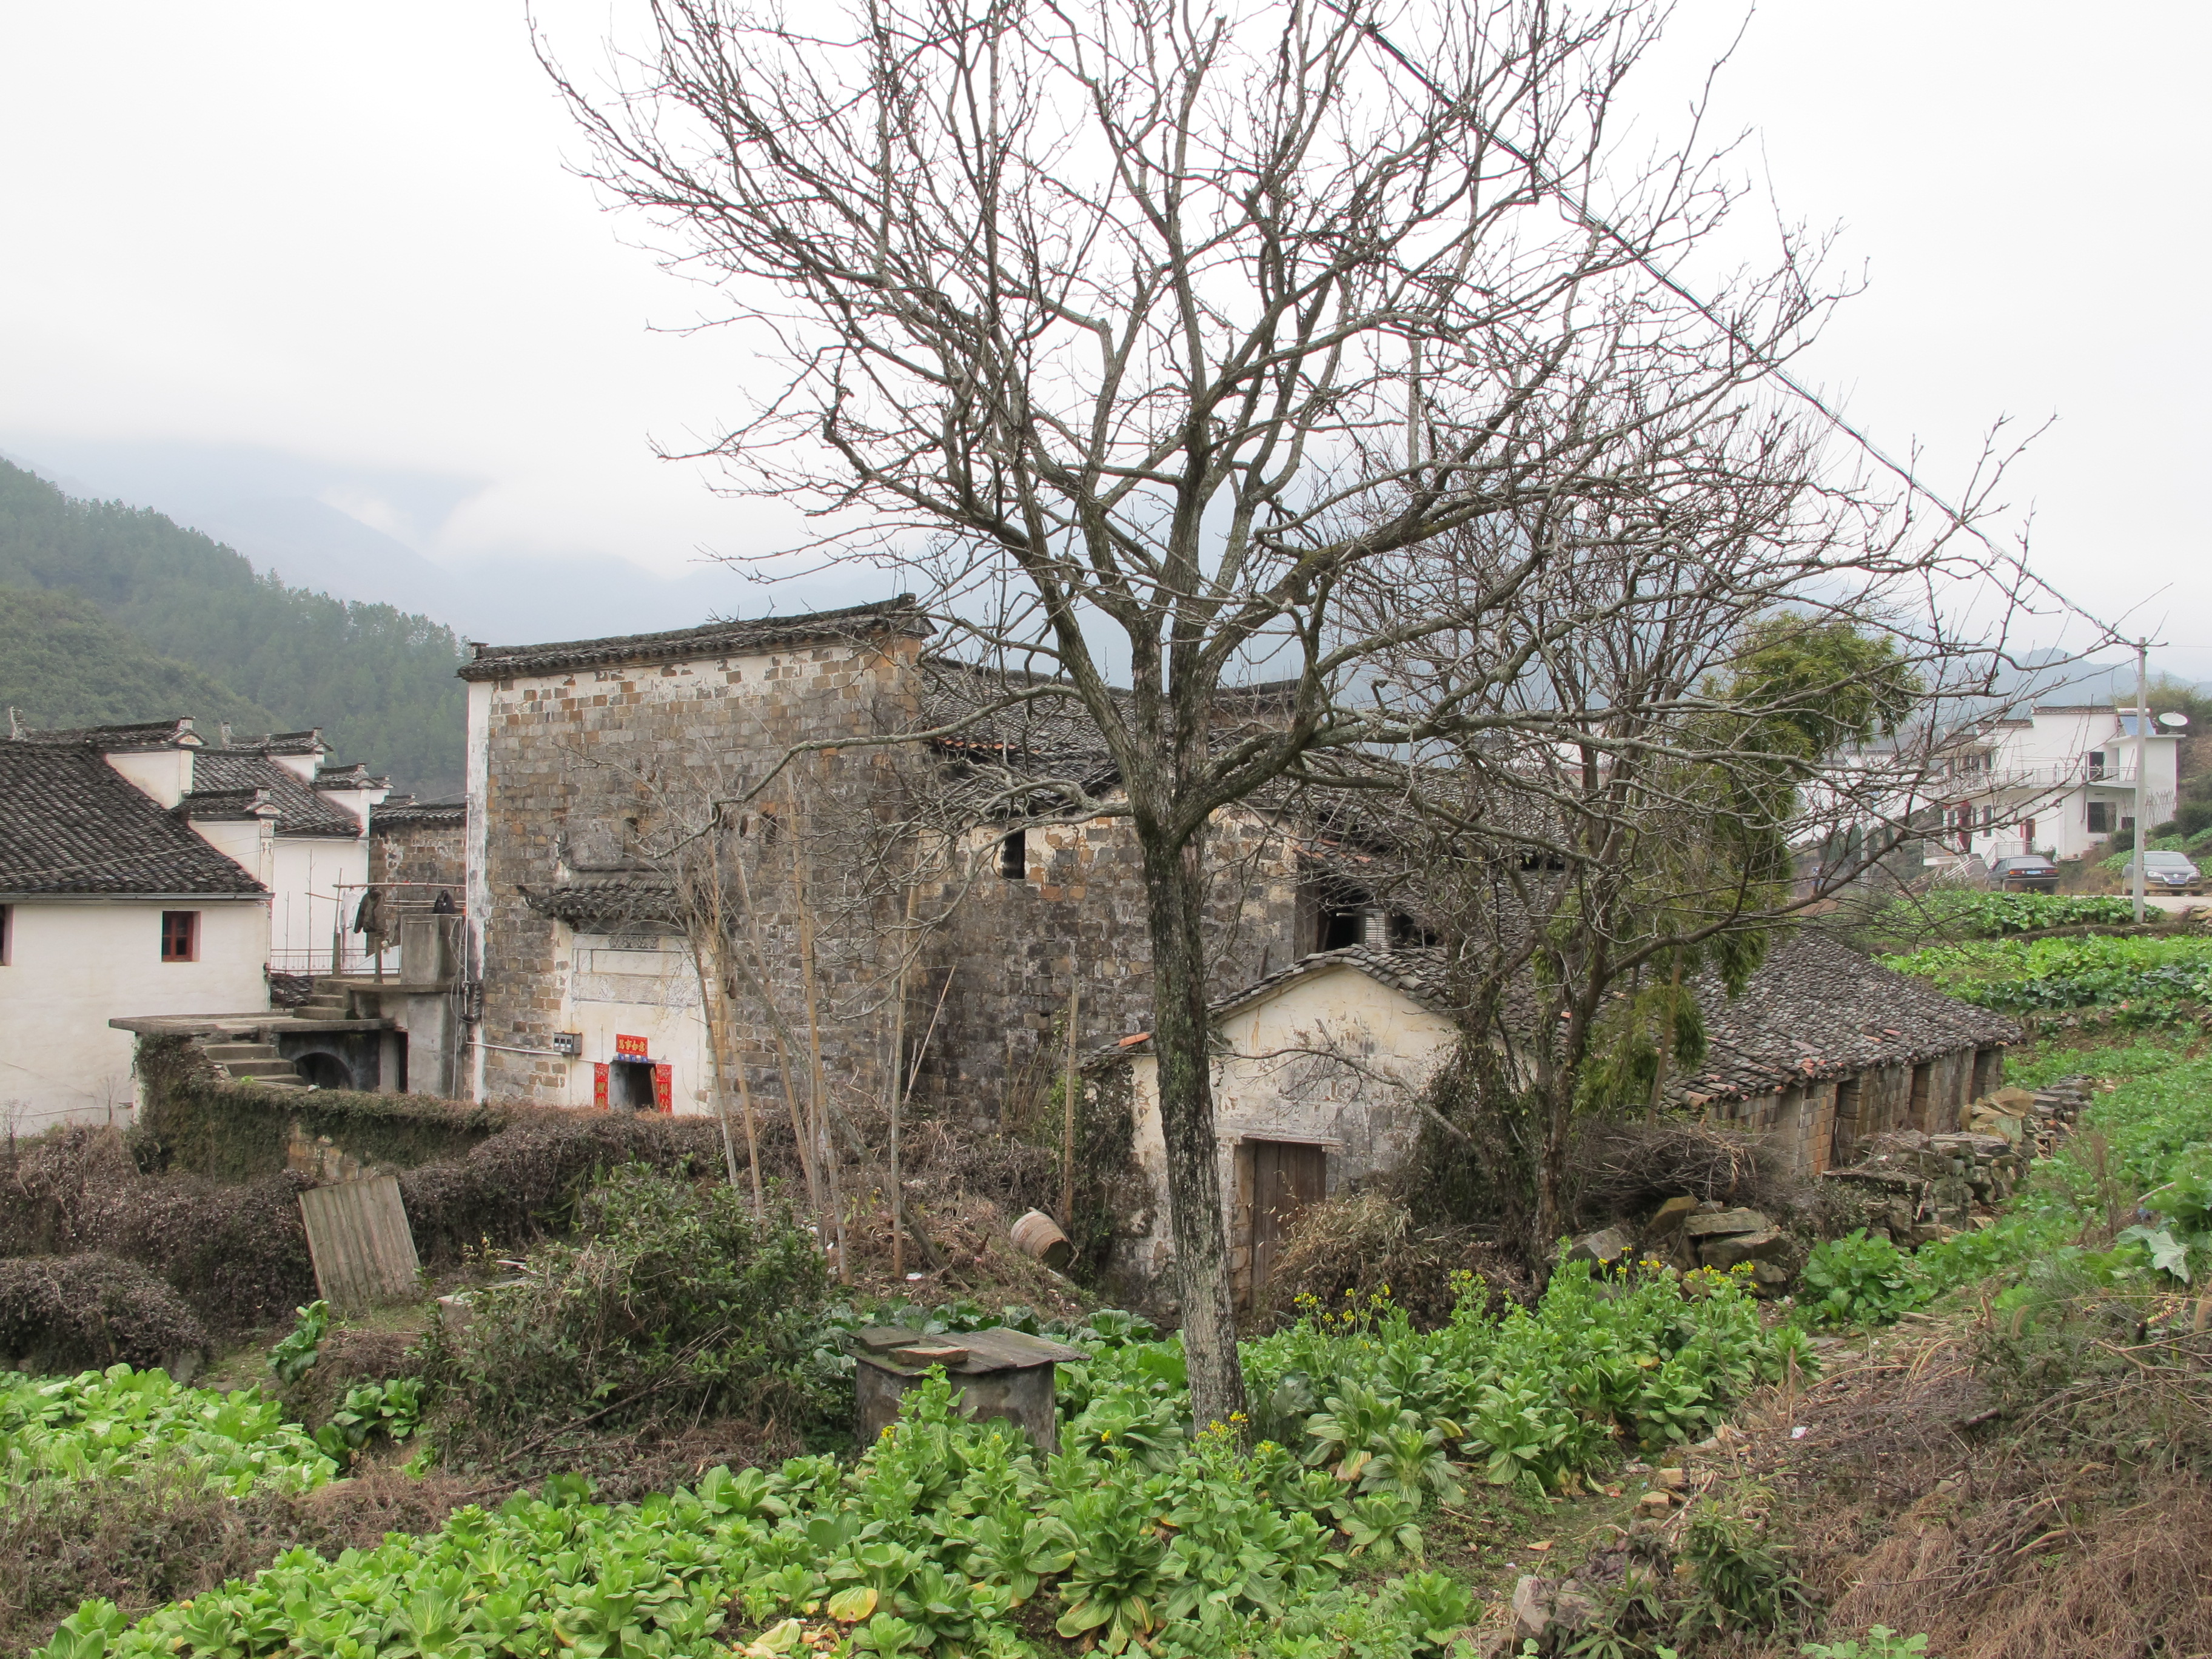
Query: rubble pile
1914, 1188
1686, 1233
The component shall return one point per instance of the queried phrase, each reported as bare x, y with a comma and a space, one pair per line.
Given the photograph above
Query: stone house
587, 755
1825, 1048
1319, 1068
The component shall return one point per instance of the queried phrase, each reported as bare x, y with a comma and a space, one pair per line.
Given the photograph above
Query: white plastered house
146, 873
1317, 1071
2059, 781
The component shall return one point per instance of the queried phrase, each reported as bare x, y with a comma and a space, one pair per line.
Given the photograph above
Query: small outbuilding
994, 1373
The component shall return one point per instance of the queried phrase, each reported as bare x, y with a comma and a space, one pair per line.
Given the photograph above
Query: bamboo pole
1067, 1111
818, 1088
894, 1077
776, 1031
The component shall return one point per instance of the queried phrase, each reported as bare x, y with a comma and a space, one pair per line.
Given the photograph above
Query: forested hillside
62, 663
378, 681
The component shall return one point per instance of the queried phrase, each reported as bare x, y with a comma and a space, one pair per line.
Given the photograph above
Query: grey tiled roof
137, 735
71, 824
611, 902
1815, 1010
900, 615
300, 811
226, 805
405, 813
352, 775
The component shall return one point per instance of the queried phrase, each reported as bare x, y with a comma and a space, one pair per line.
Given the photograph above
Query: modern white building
2059, 781
144, 873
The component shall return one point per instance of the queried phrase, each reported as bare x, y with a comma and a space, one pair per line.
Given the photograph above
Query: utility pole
2142, 754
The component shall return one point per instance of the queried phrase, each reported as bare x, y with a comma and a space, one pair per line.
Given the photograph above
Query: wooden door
1286, 1177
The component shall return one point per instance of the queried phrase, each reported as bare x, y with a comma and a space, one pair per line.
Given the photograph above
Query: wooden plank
1286, 1177
363, 1247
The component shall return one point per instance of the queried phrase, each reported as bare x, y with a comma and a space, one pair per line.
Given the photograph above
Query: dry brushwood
1623, 1167
1366, 1244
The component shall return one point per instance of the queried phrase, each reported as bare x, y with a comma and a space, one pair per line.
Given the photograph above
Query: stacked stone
2054, 1111
1914, 1187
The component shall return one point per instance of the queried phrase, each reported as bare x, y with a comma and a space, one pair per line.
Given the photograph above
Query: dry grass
2048, 1529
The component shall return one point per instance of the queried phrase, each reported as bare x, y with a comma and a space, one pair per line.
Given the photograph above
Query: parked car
2170, 872
2031, 872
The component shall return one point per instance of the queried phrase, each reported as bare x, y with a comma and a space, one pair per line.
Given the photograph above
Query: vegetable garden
951, 1538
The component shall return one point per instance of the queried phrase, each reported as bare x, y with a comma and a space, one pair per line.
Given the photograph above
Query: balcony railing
347, 951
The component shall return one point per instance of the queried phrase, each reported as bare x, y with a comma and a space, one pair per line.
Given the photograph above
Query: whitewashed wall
1334, 1059
74, 965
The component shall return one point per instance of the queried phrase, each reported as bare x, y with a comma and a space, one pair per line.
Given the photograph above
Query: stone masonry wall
1078, 911
429, 854
588, 770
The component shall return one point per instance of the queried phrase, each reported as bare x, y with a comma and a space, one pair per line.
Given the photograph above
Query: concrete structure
997, 1372
2059, 781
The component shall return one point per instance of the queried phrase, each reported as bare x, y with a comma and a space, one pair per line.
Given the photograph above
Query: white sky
344, 234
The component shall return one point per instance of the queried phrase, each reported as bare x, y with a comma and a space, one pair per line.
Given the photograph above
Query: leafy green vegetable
1859, 1281
2142, 982
102, 1423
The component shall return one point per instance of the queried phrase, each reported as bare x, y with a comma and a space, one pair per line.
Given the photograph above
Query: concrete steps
325, 1002
256, 1062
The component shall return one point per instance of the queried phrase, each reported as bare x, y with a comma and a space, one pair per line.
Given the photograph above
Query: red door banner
599, 1086
663, 1089
629, 1047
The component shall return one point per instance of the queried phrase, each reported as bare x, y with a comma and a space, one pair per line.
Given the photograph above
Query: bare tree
1757, 703
1139, 329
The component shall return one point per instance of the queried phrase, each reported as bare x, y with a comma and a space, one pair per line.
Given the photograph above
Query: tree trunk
1193, 1166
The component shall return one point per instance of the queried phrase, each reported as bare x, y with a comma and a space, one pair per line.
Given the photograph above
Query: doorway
629, 1085
1287, 1175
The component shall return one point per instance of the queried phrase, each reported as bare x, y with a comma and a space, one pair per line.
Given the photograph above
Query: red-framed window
180, 936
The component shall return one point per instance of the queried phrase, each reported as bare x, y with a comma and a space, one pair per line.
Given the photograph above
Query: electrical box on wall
568, 1042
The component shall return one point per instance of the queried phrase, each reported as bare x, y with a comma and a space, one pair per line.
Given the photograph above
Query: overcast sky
260, 256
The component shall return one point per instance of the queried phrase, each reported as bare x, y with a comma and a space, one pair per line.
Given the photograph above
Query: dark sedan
2031, 873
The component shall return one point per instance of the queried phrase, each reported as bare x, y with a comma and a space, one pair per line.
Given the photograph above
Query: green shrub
1860, 1280
671, 1299
1882, 1642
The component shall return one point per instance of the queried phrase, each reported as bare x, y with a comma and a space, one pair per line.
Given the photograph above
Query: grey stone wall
1819, 1126
432, 855
1017, 945
589, 772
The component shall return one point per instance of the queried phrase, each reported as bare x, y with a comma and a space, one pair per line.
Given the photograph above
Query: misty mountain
379, 680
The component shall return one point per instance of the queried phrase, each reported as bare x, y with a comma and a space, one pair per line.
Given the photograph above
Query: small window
1014, 856
2101, 818
180, 936
7, 932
